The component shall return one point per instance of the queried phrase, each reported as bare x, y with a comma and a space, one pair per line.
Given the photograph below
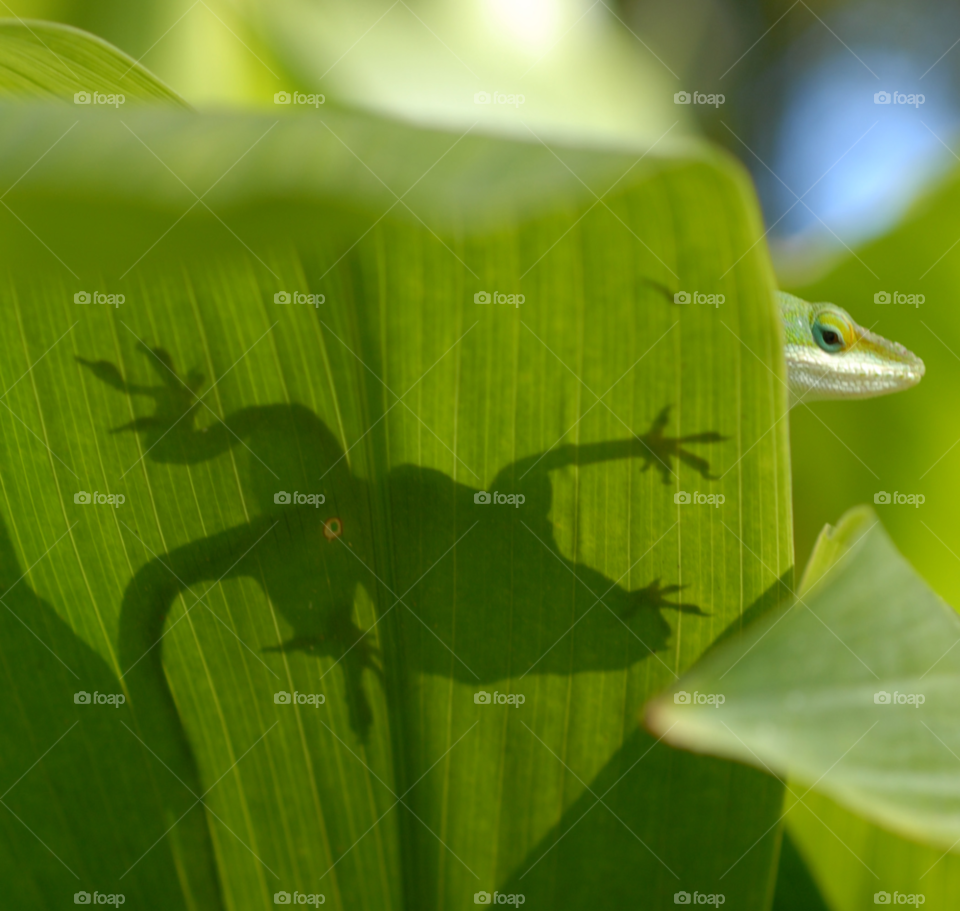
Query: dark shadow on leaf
97, 801
623, 843
796, 888
461, 565
777, 593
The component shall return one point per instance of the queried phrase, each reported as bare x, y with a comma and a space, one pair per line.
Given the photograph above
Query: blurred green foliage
845, 453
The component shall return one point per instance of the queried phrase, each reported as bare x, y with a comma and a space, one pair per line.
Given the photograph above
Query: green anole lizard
830, 357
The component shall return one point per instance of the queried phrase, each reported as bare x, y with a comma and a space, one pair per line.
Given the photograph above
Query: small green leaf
851, 689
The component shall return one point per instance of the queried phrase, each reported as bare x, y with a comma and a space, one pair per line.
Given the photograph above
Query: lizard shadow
481, 589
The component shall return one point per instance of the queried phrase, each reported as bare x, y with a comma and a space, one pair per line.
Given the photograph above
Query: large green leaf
400, 399
849, 690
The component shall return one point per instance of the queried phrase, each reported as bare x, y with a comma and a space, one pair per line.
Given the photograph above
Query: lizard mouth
871, 366
887, 363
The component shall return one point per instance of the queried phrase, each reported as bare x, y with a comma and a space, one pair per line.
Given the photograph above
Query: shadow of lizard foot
351, 646
655, 596
659, 450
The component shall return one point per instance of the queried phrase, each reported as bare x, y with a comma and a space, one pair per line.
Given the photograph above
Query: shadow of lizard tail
146, 603
264, 549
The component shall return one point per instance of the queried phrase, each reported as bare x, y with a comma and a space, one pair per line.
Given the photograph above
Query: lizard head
829, 356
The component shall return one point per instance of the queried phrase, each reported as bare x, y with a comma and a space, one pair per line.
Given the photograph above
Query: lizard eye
829, 337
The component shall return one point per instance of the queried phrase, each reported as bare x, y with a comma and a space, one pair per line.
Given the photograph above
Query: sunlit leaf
850, 690
401, 396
